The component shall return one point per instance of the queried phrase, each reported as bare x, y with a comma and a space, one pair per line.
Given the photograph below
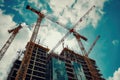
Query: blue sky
109, 30
103, 21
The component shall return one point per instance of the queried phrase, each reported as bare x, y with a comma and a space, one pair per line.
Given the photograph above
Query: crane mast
36, 29
10, 40
88, 61
78, 36
37, 26
21, 74
85, 54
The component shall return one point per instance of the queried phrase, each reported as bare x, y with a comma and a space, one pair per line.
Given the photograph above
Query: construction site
41, 63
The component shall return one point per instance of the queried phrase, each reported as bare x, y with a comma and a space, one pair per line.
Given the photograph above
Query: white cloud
23, 36
115, 42
78, 10
116, 75
58, 6
73, 45
36, 2
49, 35
33, 1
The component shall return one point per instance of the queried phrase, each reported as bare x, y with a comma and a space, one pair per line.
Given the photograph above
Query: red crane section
10, 40
78, 38
37, 26
28, 53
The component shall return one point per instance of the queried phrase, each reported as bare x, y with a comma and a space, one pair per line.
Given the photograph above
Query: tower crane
28, 53
72, 29
10, 40
79, 37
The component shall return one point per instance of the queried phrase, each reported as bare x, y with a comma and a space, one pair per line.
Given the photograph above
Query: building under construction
38, 64
66, 66
37, 67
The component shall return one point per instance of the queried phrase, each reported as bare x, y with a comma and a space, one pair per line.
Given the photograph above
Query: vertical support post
21, 75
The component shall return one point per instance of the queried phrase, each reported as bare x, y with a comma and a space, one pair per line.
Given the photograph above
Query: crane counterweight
15, 30
35, 11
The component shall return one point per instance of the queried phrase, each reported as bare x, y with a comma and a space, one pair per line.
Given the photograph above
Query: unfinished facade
37, 66
66, 66
71, 66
